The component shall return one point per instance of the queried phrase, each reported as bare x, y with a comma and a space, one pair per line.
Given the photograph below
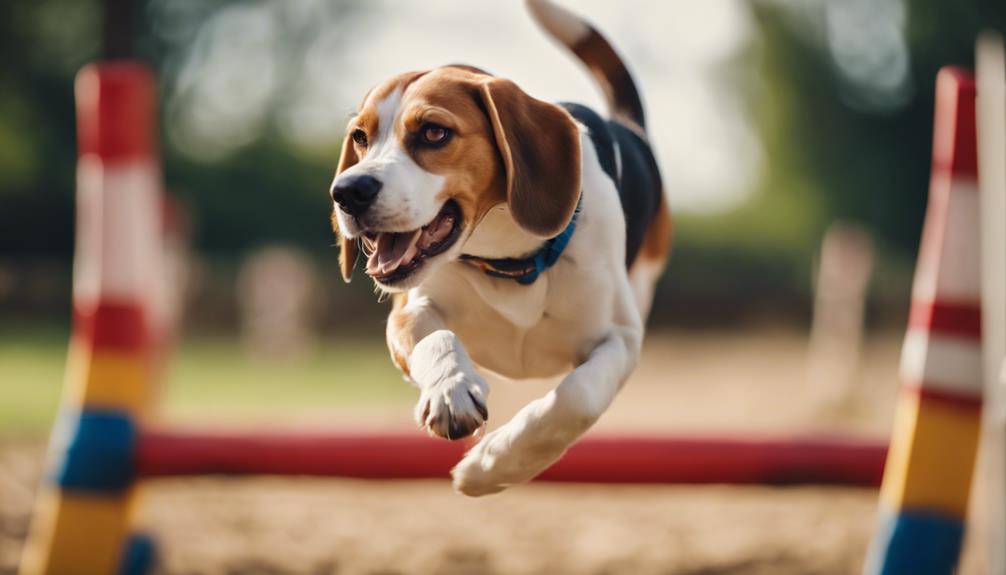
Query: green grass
210, 378
31, 375
216, 376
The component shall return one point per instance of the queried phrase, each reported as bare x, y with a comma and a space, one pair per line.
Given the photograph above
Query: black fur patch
639, 187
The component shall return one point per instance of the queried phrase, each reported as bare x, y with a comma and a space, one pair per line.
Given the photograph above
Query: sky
301, 67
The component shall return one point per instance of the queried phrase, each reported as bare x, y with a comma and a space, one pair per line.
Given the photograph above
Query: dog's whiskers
365, 247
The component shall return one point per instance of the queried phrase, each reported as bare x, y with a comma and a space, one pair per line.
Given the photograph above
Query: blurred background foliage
843, 121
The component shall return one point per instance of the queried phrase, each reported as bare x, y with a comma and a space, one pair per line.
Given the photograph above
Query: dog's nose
356, 193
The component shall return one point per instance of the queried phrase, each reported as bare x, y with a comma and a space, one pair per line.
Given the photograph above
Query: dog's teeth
410, 254
436, 231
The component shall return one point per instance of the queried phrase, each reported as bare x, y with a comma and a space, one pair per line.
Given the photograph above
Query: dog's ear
349, 249
540, 146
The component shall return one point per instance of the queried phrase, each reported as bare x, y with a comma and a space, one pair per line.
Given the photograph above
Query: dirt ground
686, 383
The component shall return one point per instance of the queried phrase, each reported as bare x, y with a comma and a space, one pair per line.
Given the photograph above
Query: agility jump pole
927, 481
82, 516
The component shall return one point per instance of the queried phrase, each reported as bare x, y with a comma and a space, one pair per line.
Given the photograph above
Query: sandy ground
686, 383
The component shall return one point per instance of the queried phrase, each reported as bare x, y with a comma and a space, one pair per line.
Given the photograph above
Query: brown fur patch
349, 249
610, 73
399, 332
469, 68
657, 241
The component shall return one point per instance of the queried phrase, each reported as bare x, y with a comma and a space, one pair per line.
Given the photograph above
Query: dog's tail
600, 58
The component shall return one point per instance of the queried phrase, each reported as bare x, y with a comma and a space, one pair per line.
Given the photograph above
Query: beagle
517, 237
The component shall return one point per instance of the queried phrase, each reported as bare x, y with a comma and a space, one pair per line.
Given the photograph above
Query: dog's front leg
542, 431
452, 396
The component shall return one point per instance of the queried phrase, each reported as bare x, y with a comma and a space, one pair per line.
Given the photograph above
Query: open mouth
394, 256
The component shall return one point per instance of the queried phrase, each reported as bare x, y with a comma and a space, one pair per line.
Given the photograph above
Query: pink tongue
390, 250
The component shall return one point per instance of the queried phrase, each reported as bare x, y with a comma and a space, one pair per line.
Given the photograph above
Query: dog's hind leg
542, 431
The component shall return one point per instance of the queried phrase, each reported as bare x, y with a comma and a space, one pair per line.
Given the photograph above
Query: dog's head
429, 153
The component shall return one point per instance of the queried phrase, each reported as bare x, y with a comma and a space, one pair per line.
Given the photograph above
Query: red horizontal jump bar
595, 459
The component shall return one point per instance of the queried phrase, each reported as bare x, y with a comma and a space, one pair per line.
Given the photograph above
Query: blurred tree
843, 97
859, 144
264, 190
42, 44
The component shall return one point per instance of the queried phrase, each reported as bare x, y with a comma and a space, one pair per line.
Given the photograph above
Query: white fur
448, 383
643, 277
499, 236
580, 318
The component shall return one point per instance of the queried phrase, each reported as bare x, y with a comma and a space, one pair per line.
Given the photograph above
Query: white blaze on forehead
388, 111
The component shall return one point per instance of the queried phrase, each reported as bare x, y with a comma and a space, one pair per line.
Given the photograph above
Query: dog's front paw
452, 400
453, 408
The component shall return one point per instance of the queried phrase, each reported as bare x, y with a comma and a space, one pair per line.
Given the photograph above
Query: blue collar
526, 270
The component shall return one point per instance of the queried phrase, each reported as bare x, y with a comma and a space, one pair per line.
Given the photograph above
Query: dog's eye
434, 135
360, 137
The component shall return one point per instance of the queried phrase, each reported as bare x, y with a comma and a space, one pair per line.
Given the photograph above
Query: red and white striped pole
927, 479
81, 522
